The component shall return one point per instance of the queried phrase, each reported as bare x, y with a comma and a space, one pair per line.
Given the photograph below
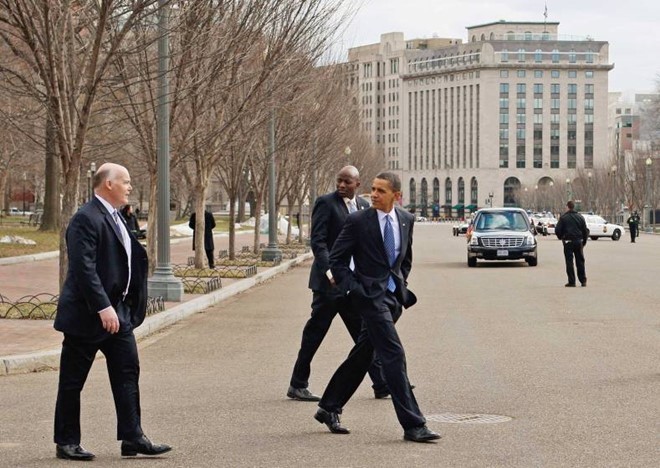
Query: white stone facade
515, 107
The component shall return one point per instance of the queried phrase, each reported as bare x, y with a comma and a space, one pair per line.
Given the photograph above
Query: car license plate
502, 253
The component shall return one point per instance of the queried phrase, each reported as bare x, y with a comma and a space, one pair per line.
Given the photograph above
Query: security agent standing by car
572, 230
633, 225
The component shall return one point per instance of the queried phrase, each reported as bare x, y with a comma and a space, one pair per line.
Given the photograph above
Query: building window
520, 156
504, 103
572, 57
504, 73
554, 73
572, 89
589, 57
505, 55
521, 88
589, 74
538, 88
538, 73
504, 119
572, 73
555, 55
521, 55
538, 56
554, 88
521, 74
504, 88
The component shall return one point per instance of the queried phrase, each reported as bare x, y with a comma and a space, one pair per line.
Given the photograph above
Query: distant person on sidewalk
103, 299
209, 224
329, 213
379, 242
633, 225
572, 230
132, 222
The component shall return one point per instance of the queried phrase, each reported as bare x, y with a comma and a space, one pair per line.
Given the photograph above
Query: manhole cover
468, 418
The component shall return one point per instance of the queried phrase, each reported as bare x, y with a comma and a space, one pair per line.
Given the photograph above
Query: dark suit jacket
361, 238
98, 272
209, 224
328, 216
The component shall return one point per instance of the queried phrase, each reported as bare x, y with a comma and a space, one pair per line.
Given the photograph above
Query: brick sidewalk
21, 279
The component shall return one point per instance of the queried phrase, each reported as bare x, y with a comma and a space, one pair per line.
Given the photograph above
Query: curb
50, 359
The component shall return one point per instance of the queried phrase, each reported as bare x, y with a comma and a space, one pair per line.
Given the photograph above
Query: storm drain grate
468, 418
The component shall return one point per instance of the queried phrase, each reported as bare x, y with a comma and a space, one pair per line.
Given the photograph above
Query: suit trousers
324, 308
209, 257
574, 248
121, 355
378, 333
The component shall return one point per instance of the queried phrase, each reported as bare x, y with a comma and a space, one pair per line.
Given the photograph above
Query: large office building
516, 108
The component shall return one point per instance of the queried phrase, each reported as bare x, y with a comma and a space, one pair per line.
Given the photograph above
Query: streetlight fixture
90, 174
648, 163
24, 181
272, 252
490, 199
568, 188
163, 283
347, 152
589, 194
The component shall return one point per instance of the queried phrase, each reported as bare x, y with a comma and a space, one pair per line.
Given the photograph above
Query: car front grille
502, 242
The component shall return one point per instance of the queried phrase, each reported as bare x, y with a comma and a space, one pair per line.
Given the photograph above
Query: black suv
502, 234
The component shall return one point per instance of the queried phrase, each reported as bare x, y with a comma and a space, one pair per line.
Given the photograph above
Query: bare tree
63, 50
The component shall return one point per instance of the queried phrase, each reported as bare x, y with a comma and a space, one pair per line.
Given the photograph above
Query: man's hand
109, 320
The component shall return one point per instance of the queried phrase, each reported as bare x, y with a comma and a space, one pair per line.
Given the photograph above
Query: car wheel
616, 235
594, 238
532, 261
472, 262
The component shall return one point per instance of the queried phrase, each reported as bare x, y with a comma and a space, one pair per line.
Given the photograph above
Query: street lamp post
590, 203
490, 199
90, 174
568, 188
163, 283
24, 181
648, 162
272, 252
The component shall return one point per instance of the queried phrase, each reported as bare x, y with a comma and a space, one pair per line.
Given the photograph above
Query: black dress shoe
73, 452
130, 448
302, 394
584, 285
570, 285
380, 394
331, 420
420, 434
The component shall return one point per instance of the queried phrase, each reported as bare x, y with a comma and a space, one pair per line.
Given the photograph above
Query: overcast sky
631, 27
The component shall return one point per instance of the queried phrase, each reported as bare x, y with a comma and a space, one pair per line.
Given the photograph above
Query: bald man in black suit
102, 301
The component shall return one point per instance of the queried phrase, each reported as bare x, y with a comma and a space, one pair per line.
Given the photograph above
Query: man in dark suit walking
102, 301
380, 242
209, 224
572, 230
330, 212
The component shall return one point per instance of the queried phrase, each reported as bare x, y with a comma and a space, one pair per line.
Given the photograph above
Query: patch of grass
46, 241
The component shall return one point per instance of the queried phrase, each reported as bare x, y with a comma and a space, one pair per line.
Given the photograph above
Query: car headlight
531, 240
474, 240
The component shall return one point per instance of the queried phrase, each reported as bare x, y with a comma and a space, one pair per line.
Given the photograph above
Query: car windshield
504, 220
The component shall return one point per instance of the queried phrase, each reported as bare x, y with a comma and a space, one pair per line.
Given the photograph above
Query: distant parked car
598, 228
16, 212
460, 228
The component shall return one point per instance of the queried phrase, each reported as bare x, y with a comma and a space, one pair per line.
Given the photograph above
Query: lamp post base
271, 254
164, 284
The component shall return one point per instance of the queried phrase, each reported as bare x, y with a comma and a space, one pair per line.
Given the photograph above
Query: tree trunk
51, 217
232, 228
257, 221
69, 207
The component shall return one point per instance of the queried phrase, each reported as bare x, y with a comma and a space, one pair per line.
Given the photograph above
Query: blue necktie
388, 239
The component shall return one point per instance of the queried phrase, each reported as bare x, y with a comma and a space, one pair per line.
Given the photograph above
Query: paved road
577, 370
